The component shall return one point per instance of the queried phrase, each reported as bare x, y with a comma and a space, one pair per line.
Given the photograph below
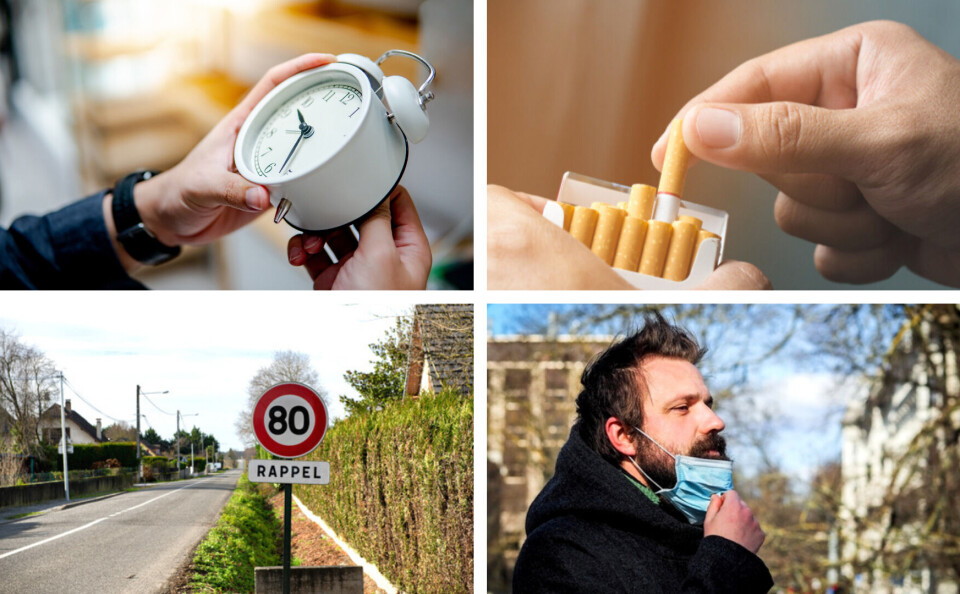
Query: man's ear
620, 436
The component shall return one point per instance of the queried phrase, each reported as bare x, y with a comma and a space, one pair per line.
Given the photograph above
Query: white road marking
97, 521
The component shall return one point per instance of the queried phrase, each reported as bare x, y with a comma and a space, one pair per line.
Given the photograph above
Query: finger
312, 243
733, 275
229, 189
535, 202
296, 255
858, 267
277, 75
782, 137
325, 277
818, 71
376, 231
826, 192
857, 229
341, 242
716, 502
408, 233
317, 263
936, 263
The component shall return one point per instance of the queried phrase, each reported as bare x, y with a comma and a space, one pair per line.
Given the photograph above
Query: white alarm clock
331, 143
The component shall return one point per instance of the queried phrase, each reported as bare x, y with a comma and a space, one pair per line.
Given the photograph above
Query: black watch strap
131, 233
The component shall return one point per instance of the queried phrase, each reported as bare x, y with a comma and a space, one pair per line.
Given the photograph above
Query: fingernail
252, 198
295, 254
718, 128
310, 242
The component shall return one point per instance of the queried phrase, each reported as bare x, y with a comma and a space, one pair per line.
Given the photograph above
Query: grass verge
245, 536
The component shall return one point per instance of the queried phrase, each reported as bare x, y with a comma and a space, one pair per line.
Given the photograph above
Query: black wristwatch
132, 235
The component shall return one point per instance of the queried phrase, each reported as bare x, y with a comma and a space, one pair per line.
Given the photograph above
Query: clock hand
306, 131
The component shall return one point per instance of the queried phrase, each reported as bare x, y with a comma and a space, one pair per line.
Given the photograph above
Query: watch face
304, 127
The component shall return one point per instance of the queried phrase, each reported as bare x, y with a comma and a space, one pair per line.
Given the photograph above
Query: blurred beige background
587, 86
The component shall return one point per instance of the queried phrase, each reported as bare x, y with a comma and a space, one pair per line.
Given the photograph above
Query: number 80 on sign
289, 420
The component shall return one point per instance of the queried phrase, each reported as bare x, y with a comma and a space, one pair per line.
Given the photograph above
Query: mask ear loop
647, 476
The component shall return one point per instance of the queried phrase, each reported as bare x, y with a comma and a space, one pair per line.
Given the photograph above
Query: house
79, 430
897, 444
532, 385
441, 349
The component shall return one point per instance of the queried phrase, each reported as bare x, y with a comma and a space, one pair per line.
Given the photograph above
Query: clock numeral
271, 133
308, 102
285, 111
269, 148
329, 95
268, 168
353, 112
347, 97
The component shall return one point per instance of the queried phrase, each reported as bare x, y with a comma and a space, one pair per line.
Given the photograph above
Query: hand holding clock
393, 252
203, 198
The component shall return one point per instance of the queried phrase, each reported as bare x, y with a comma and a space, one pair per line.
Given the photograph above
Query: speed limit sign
289, 420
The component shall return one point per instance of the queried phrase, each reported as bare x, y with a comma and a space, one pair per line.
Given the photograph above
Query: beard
661, 468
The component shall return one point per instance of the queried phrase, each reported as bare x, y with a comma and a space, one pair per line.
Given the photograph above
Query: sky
203, 348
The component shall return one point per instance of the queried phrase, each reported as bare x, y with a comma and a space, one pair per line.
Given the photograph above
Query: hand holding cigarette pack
648, 235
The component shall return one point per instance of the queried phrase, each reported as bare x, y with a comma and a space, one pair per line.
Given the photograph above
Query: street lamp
139, 463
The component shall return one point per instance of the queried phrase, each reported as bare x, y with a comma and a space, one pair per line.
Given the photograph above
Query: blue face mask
697, 480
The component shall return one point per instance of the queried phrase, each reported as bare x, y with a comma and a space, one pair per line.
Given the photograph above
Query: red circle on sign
313, 438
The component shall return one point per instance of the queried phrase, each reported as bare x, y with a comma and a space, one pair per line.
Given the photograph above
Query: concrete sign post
289, 421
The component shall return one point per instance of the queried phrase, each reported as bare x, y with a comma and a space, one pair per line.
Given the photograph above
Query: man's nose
711, 422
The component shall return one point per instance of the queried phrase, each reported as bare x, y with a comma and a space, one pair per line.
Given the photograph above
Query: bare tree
26, 390
287, 366
120, 431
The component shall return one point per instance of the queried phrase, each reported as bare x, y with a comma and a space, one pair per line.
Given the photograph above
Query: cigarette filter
693, 220
567, 214
630, 245
655, 248
673, 175
583, 223
681, 247
607, 232
641, 202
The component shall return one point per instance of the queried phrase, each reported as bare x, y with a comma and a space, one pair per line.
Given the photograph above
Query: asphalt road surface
132, 542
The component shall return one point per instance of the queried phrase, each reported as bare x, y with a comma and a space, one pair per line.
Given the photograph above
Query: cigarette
630, 245
655, 247
582, 224
673, 175
693, 220
641, 202
682, 239
567, 214
607, 233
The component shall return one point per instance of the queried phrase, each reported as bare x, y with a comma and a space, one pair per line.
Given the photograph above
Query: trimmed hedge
401, 490
85, 454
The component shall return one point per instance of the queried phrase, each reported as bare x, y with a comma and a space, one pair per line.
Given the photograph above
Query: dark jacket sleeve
721, 565
66, 249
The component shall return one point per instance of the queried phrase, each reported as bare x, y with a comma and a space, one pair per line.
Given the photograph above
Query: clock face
331, 111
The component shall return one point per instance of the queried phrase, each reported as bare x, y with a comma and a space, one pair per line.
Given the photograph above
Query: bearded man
642, 499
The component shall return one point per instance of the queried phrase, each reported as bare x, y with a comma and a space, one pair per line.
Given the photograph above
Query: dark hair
613, 382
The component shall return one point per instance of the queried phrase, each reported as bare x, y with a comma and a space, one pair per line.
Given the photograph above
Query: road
132, 542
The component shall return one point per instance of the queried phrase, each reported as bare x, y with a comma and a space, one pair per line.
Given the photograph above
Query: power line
74, 390
155, 406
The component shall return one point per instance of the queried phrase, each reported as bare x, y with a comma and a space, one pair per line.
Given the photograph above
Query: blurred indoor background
575, 85
91, 90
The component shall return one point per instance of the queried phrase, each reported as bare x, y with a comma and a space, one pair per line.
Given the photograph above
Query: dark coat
592, 530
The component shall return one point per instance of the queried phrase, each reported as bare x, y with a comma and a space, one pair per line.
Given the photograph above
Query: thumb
229, 189
716, 502
780, 137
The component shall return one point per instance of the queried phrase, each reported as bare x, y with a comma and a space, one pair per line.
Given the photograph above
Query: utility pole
139, 462
63, 442
191, 458
178, 443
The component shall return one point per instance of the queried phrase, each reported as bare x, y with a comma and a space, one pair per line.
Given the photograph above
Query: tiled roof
76, 418
445, 333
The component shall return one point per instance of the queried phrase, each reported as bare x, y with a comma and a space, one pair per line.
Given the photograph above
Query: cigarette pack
581, 190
